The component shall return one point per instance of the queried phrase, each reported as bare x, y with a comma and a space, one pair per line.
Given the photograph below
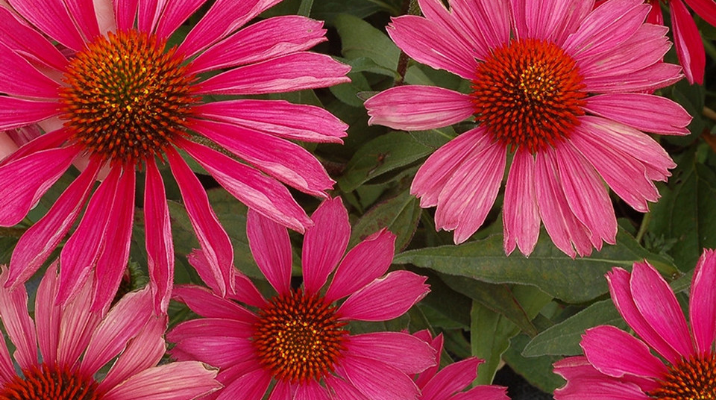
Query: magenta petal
174, 14
416, 107
52, 18
177, 381
642, 111
325, 243
486, 21
706, 9
125, 12
462, 24
218, 327
616, 353
208, 305
148, 14
47, 314
282, 391
342, 389
221, 351
271, 248
385, 298
378, 381
250, 386
298, 71
160, 250
687, 41
212, 237
702, 307
520, 215
83, 13
246, 292
34, 141
39, 171
311, 390
77, 324
399, 350
367, 261
485, 392
29, 41
451, 379
19, 326
16, 113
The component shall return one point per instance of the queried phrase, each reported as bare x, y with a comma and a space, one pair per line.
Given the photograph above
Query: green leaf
573, 281
361, 39
399, 214
348, 92
537, 371
381, 155
451, 307
331, 10
563, 338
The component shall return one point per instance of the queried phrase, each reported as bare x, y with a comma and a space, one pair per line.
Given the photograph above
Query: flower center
42, 383
298, 337
528, 93
126, 99
691, 379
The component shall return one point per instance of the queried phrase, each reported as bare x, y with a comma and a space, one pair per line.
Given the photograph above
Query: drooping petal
687, 41
324, 243
416, 107
28, 41
174, 381
397, 349
19, 326
586, 383
271, 248
385, 298
616, 353
52, 18
642, 111
376, 380
702, 306
520, 215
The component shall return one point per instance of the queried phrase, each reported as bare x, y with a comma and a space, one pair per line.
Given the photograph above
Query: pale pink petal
485, 20
125, 12
367, 261
706, 9
702, 307
7, 368
563, 227
376, 380
201, 301
619, 287
52, 18
616, 353
104, 12
415, 107
586, 195
175, 381
451, 379
29, 42
397, 349
77, 324
463, 29
40, 239
7, 145
485, 392
642, 111
245, 291
47, 314
250, 386
83, 14
385, 298
520, 215
687, 41
342, 389
271, 248
174, 14
279, 118
39, 170
81, 251
285, 161
16, 113
212, 237
258, 191
427, 42
648, 79
223, 18
261, 41
298, 71
437, 170
658, 305
324, 243
143, 351
19, 326
123, 322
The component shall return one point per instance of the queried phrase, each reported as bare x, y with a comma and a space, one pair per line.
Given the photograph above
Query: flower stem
643, 227
410, 7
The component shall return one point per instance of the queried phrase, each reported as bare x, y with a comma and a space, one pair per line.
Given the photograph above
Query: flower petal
77, 324
397, 349
19, 326
324, 243
385, 298
250, 386
520, 215
16, 113
51, 18
48, 314
174, 381
29, 42
376, 380
83, 14
271, 248
706, 9
208, 305
246, 292
642, 111
687, 41
702, 307
616, 353
174, 14
125, 12
451, 379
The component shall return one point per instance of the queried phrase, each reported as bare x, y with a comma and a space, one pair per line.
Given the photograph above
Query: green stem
644, 226
12, 232
410, 7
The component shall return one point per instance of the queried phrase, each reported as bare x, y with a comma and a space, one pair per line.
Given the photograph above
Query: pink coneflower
75, 342
557, 86
449, 383
618, 365
299, 338
116, 93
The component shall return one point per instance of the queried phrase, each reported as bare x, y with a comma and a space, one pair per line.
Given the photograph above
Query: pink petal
437, 344
415, 107
621, 294
174, 381
125, 12
16, 113
17, 323
282, 391
223, 18
250, 386
297, 71
47, 314
279, 158
545, 20
706, 9
279, 118
149, 13
77, 324
39, 171
702, 307
641, 111
51, 18
201, 301
158, 239
29, 42
34, 141
342, 389
648, 79
215, 327
325, 243
687, 41
174, 14
486, 21
212, 237
520, 215
462, 29
261, 41
40, 239
258, 191
616, 353
451, 379
485, 392
427, 42
271, 248
312, 390
600, 389
246, 292
82, 11
399, 350
367, 261
222, 351
7, 368
385, 298
378, 381
658, 305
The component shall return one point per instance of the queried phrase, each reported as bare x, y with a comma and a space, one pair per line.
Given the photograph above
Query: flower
618, 365
558, 87
111, 90
75, 342
299, 338
451, 380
